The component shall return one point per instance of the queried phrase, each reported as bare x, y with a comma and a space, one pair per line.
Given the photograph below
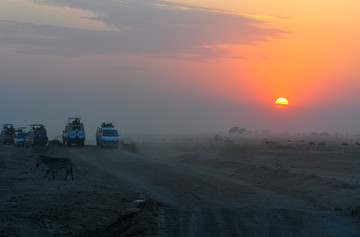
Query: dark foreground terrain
183, 190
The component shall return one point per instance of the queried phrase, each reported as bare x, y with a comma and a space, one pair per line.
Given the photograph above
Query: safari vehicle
19, 136
74, 132
7, 134
107, 135
37, 136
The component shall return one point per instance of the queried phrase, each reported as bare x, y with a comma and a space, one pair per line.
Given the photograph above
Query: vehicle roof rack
110, 122
37, 125
107, 124
74, 118
21, 129
8, 124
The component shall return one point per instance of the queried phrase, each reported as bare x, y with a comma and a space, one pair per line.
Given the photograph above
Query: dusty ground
175, 188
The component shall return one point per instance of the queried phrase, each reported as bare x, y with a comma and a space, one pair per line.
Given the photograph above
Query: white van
107, 135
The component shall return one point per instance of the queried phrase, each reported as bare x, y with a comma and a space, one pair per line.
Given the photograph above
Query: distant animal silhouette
311, 143
321, 144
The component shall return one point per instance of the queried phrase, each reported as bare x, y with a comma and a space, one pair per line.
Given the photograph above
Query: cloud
142, 28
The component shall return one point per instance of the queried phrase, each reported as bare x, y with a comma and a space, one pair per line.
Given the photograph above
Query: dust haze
145, 101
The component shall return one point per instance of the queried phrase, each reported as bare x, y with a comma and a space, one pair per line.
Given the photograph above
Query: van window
110, 133
20, 135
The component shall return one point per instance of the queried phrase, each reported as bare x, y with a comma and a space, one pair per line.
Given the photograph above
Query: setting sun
281, 102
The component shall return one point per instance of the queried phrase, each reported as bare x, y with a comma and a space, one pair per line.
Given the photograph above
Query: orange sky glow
319, 46
202, 58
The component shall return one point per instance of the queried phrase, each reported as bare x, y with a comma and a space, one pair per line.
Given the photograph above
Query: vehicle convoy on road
74, 132
7, 134
19, 137
37, 136
107, 135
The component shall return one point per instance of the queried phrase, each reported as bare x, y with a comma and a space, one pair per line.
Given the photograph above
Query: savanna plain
194, 186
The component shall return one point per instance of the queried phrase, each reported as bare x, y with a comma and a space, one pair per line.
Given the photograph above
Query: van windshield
110, 133
20, 135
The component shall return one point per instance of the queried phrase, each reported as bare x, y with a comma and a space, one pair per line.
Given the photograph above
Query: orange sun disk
281, 103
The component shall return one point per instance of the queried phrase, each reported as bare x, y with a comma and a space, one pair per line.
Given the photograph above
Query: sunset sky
181, 67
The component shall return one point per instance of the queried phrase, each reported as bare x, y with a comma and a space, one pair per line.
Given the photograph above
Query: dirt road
200, 203
118, 193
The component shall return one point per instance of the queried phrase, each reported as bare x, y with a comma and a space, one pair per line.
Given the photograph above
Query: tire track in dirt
197, 203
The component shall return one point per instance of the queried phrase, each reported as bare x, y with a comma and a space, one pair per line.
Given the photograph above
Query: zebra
55, 163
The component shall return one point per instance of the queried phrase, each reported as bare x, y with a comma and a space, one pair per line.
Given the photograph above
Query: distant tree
234, 130
237, 130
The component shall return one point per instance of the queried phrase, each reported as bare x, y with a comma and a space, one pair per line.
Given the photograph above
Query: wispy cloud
28, 11
138, 27
188, 7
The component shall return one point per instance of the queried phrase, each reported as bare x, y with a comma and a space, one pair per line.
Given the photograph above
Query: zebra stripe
55, 163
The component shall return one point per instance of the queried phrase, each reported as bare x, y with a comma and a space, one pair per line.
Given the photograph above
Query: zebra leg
69, 171
72, 177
